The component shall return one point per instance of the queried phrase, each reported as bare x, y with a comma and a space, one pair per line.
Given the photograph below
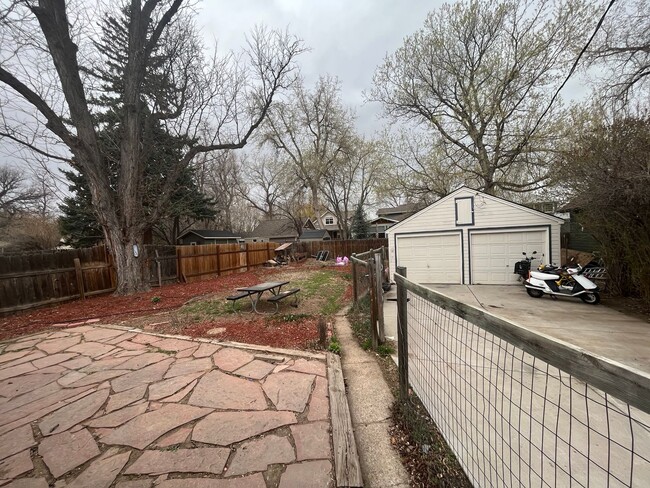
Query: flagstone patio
100, 406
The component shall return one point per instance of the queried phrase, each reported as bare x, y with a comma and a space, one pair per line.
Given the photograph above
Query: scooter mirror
534, 252
523, 253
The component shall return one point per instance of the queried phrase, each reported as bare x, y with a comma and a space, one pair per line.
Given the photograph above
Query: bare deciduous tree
215, 104
480, 74
350, 181
17, 195
313, 129
622, 49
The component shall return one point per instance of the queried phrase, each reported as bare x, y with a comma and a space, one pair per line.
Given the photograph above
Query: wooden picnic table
256, 291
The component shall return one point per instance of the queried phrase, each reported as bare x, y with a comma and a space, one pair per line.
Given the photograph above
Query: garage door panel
494, 254
431, 259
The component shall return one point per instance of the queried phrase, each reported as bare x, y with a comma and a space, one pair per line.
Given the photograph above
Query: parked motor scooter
522, 268
540, 283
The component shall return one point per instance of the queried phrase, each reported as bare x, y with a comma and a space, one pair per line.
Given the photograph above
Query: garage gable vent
464, 211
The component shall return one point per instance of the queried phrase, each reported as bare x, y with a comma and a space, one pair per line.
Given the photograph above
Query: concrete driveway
104, 406
596, 328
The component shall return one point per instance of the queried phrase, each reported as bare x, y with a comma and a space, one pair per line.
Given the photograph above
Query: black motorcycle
522, 268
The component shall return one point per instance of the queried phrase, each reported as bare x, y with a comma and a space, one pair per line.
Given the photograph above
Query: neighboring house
276, 230
309, 235
195, 237
387, 217
330, 223
574, 235
469, 237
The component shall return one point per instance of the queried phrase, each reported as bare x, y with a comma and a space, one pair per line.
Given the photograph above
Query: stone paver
234, 393
150, 374
29, 483
125, 398
53, 359
170, 386
56, 345
258, 454
64, 452
312, 441
146, 428
177, 397
225, 428
311, 474
199, 460
229, 359
310, 367
319, 403
206, 350
91, 349
16, 441
73, 413
255, 370
173, 438
102, 472
252, 481
98, 406
117, 418
289, 390
15, 465
137, 484
189, 367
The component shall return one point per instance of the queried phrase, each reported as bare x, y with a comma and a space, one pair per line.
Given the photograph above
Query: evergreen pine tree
360, 227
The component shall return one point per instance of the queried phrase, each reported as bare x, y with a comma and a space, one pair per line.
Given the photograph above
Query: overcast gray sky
348, 39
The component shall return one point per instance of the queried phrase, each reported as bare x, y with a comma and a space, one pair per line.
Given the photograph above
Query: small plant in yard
385, 350
335, 345
155, 299
366, 345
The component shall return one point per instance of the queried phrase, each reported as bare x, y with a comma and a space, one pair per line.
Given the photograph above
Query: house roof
275, 228
399, 212
485, 195
210, 234
314, 234
382, 220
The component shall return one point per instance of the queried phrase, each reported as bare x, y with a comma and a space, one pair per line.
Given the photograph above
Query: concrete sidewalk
370, 400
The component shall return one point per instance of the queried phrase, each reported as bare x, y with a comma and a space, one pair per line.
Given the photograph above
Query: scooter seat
544, 276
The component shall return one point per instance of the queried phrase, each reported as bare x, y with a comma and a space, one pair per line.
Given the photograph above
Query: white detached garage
469, 237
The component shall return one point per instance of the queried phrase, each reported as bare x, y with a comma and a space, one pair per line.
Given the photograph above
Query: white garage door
430, 259
493, 255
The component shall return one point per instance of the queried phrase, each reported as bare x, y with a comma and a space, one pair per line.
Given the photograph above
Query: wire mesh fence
520, 409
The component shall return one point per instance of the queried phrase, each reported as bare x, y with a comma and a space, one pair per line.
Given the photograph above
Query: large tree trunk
131, 270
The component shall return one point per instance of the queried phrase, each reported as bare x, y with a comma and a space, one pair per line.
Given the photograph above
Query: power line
573, 68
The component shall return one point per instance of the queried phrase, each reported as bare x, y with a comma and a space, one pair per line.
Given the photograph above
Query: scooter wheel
534, 293
592, 298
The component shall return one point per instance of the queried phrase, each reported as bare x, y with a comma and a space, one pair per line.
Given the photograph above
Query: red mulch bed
110, 308
299, 334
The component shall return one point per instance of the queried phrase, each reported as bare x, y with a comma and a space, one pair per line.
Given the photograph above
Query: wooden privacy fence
197, 263
34, 279
30, 280
341, 248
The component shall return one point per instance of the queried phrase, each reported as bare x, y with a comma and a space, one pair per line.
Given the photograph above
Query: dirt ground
199, 309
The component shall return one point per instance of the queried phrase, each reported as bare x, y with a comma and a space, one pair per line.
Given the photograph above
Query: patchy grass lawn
200, 309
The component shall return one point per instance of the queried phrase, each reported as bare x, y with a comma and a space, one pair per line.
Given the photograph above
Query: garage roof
475, 193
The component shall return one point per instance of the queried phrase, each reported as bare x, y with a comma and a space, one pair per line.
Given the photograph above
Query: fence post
355, 289
248, 266
80, 278
218, 260
372, 291
380, 296
158, 269
402, 336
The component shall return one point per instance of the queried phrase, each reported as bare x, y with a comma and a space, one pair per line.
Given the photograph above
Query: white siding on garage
493, 254
489, 213
431, 258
